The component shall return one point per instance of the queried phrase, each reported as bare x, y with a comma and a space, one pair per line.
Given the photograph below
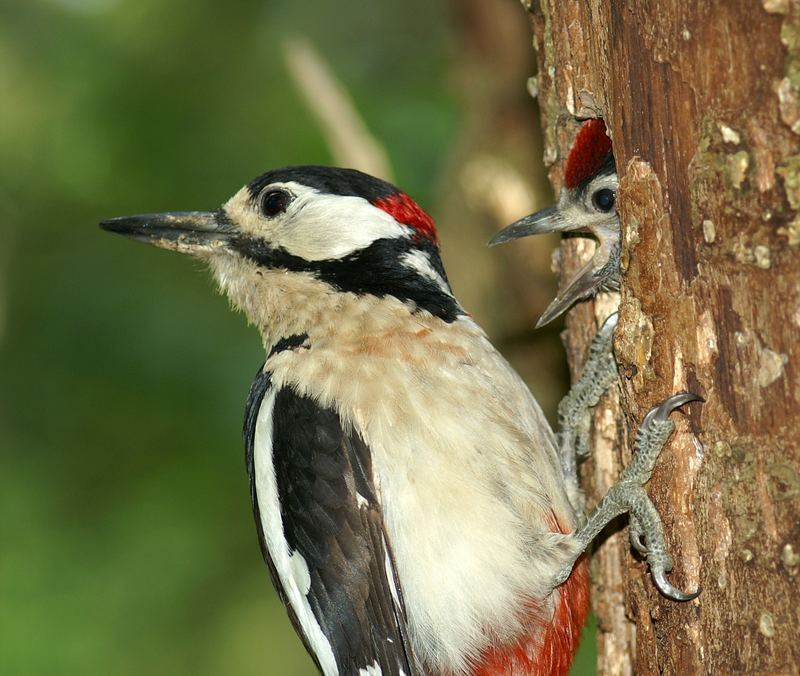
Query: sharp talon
664, 586
662, 411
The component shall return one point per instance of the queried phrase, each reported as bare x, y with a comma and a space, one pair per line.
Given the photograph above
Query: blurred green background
128, 545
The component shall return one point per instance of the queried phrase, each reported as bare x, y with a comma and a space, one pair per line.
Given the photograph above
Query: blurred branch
494, 183
349, 140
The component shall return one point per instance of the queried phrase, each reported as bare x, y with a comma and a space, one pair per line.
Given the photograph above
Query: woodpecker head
586, 205
300, 237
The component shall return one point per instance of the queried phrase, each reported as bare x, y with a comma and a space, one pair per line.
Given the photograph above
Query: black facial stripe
376, 270
329, 180
434, 258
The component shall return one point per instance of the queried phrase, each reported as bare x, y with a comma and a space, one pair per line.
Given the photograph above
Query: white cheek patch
319, 227
316, 226
290, 566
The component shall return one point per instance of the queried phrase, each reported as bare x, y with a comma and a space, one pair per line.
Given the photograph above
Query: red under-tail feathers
549, 650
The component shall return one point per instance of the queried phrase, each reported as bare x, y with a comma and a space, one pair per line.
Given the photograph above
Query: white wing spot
300, 572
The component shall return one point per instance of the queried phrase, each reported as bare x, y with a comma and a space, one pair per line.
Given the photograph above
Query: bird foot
628, 496
574, 410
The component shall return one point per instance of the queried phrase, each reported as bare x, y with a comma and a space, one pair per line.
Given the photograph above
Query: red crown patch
406, 211
591, 148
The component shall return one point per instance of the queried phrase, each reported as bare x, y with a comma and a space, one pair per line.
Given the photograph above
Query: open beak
194, 232
544, 221
600, 273
585, 284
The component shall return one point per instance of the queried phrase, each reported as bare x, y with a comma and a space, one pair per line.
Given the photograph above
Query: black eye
274, 202
604, 199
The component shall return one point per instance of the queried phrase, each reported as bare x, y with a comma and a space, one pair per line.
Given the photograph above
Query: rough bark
702, 100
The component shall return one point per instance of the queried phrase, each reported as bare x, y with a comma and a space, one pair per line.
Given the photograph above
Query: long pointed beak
544, 221
583, 285
193, 232
601, 273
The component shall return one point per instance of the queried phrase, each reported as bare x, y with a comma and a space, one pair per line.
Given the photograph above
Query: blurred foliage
128, 545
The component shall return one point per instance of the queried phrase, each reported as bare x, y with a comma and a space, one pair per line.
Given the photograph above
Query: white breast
467, 471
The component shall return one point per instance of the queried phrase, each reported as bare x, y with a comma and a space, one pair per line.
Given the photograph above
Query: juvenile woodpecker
408, 492
587, 204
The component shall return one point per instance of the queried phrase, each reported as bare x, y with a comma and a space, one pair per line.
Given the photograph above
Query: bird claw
661, 412
628, 495
646, 528
667, 589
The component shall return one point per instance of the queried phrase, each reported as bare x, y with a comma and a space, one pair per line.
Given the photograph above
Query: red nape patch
406, 211
591, 148
550, 648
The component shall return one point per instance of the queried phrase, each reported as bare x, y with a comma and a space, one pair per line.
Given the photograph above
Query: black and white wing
322, 534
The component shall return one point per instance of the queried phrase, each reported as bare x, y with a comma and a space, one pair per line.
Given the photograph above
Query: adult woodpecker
587, 204
408, 494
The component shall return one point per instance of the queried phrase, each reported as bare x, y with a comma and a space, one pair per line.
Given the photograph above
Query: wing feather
332, 518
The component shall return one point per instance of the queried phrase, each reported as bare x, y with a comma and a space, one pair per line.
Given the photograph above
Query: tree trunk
702, 100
